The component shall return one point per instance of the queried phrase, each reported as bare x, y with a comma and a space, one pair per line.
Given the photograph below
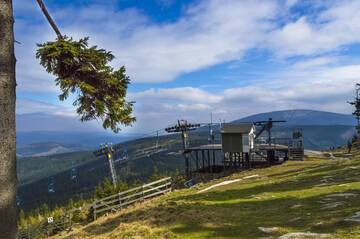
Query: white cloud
316, 62
291, 3
325, 88
187, 94
208, 33
324, 31
27, 106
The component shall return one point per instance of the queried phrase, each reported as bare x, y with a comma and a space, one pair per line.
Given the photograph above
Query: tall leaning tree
8, 178
99, 91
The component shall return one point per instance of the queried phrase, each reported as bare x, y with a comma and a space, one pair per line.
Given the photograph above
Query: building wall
232, 142
238, 142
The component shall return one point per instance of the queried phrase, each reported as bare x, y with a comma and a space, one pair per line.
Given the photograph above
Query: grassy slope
237, 210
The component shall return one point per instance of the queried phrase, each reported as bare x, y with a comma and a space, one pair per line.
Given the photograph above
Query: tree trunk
8, 179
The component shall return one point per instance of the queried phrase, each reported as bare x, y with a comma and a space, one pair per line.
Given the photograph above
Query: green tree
22, 222
155, 174
84, 71
44, 210
356, 104
100, 94
121, 186
71, 204
106, 188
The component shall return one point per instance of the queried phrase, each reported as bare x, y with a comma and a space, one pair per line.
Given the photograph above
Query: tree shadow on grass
239, 219
314, 178
217, 214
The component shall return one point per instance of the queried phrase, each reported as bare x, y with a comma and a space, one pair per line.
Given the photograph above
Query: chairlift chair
73, 174
51, 188
51, 185
18, 200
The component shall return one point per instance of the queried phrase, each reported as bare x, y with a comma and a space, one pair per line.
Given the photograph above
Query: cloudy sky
189, 58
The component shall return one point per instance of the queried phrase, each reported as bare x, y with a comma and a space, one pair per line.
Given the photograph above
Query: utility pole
108, 150
267, 126
157, 139
183, 126
211, 138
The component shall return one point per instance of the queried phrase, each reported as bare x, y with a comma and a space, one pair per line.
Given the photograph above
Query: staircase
296, 153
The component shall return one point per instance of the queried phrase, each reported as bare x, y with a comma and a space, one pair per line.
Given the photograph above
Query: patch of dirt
304, 235
332, 205
355, 218
269, 229
228, 182
345, 195
220, 184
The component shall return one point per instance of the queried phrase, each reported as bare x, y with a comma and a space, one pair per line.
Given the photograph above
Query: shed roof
237, 128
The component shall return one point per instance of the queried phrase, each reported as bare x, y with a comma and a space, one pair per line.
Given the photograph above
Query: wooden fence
100, 207
45, 228
123, 199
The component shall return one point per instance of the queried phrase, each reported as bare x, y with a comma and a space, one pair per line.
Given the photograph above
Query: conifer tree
356, 104
100, 93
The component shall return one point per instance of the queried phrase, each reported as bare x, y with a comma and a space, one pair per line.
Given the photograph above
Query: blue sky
189, 58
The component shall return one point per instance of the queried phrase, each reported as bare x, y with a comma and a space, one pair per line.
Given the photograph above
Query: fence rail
123, 199
45, 229
108, 204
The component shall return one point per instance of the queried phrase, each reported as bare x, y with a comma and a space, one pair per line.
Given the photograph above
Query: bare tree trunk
8, 179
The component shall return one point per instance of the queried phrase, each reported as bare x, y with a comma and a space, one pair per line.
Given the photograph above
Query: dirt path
227, 182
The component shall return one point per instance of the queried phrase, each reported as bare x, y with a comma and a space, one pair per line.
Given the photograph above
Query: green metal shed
237, 137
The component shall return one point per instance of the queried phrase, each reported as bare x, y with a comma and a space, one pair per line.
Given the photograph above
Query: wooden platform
204, 147
276, 147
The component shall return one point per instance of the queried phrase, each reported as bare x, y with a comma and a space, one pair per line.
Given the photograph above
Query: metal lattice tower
267, 126
108, 150
183, 126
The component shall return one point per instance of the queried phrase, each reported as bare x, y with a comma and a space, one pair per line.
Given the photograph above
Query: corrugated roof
237, 128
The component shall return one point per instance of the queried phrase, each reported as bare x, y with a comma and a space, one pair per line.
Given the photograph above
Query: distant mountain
41, 134
53, 122
303, 117
46, 149
88, 140
321, 129
48, 143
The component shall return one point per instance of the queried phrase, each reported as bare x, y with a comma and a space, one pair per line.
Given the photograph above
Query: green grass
291, 197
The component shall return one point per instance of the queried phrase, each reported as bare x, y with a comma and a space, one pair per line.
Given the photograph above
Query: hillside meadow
318, 195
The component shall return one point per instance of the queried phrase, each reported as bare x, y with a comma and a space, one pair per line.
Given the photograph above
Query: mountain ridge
302, 117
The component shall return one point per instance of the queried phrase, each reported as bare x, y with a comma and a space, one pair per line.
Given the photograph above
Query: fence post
171, 184
120, 201
143, 196
71, 222
94, 211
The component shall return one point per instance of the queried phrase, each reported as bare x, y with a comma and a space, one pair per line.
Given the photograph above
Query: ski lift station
242, 147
